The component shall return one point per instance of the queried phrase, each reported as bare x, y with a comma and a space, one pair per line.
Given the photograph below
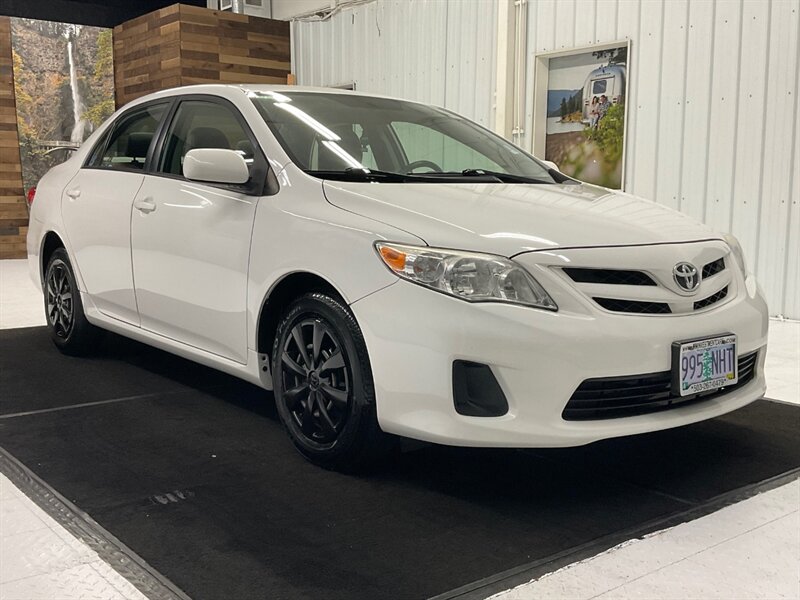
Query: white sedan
389, 267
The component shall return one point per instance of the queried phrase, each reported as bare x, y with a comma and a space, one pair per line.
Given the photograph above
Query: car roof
228, 90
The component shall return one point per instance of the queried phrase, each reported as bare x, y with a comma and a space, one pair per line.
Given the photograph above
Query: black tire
323, 386
70, 330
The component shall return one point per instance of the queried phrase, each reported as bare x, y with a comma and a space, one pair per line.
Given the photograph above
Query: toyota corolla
391, 269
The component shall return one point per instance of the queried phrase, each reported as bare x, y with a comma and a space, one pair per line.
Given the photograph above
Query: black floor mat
253, 520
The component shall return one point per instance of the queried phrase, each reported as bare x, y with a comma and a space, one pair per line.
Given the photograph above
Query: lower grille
613, 397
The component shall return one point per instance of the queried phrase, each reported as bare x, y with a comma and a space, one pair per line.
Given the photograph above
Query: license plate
703, 365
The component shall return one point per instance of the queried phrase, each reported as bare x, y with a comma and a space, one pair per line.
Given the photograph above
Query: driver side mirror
215, 165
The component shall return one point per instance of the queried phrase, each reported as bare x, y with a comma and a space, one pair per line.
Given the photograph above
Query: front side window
201, 124
331, 135
130, 140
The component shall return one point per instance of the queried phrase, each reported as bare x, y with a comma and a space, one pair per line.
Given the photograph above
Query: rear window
599, 86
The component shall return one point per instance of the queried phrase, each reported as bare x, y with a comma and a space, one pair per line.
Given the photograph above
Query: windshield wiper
357, 174
504, 177
477, 175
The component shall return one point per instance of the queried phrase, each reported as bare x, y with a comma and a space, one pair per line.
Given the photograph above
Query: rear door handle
146, 205
74, 193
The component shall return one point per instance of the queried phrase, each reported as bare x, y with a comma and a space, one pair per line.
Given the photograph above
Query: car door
191, 240
96, 210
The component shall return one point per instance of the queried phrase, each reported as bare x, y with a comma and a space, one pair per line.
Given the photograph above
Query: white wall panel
437, 51
779, 224
712, 97
672, 96
724, 102
698, 107
748, 176
585, 15
565, 24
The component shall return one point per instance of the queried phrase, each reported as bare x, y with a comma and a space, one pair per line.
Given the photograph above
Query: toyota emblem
686, 276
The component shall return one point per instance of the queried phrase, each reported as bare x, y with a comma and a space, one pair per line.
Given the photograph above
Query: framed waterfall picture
64, 88
580, 111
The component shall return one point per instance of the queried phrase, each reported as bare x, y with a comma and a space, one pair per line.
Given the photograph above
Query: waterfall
77, 104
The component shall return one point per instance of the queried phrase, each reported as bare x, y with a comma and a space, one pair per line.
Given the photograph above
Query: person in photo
602, 108
593, 114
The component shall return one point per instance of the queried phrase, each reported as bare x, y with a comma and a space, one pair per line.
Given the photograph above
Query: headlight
465, 275
736, 251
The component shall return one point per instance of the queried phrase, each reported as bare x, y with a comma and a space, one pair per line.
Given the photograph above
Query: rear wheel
70, 330
323, 386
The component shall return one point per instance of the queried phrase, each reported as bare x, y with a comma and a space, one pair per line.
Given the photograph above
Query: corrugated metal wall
713, 113
713, 93
437, 51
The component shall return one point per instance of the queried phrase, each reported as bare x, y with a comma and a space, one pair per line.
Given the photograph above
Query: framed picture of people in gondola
580, 112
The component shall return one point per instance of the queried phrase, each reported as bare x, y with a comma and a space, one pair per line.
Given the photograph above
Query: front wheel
70, 330
323, 386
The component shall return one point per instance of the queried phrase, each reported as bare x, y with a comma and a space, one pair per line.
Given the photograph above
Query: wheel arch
290, 287
50, 243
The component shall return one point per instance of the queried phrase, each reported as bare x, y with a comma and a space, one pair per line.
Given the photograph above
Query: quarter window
200, 124
130, 140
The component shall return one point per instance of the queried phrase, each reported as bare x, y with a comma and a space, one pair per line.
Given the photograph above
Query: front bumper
539, 358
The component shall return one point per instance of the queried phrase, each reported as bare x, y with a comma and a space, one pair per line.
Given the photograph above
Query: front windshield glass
332, 135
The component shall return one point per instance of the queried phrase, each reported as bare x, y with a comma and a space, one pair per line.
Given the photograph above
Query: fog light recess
476, 392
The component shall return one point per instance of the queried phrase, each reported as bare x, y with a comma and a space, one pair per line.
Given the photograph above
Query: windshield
338, 136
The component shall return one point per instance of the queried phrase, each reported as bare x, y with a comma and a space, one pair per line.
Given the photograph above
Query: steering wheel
423, 163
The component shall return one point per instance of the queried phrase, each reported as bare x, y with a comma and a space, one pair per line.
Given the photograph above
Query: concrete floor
748, 550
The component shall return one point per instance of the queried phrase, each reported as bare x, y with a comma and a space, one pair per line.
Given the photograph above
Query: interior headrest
349, 142
138, 144
207, 137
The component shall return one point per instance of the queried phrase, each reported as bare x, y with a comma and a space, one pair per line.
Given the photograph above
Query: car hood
508, 219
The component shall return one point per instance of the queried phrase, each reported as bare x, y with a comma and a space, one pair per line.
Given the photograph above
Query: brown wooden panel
16, 250
13, 208
183, 45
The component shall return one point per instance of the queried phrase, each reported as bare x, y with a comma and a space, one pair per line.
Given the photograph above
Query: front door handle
146, 205
74, 193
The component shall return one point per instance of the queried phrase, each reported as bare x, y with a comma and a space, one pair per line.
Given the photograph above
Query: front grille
713, 268
634, 306
613, 397
609, 276
712, 299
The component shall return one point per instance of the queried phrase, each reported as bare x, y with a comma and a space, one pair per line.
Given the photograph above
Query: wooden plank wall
13, 208
184, 45
147, 54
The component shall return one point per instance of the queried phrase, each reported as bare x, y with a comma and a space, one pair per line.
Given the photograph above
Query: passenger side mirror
215, 165
552, 165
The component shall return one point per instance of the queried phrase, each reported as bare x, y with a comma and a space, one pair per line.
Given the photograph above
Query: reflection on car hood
507, 219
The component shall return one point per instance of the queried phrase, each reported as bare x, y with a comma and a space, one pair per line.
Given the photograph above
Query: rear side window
127, 147
200, 124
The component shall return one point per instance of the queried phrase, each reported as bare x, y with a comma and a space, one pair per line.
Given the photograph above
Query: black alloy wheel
315, 380
70, 330
59, 299
323, 386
